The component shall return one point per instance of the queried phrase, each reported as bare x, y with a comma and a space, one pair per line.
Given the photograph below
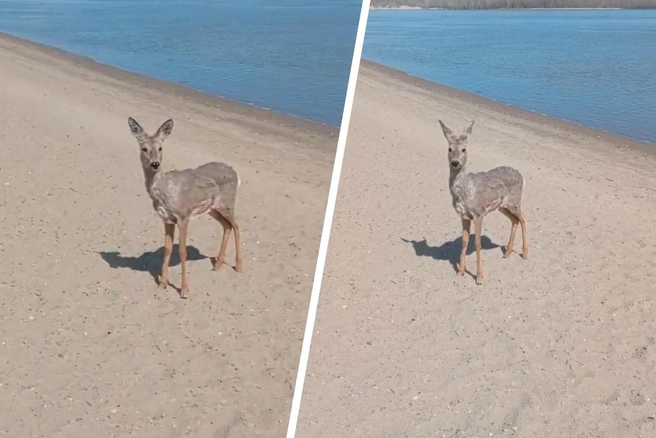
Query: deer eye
463, 149
144, 150
450, 149
160, 149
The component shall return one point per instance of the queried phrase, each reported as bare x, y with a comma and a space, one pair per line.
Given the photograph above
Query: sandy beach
90, 347
559, 345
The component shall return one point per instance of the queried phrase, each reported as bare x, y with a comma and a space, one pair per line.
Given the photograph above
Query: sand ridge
561, 344
89, 346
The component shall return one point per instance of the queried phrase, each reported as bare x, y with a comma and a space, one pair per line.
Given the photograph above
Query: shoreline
178, 90
557, 338
85, 250
519, 113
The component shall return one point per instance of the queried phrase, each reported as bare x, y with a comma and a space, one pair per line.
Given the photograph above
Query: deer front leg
466, 228
184, 287
479, 263
169, 234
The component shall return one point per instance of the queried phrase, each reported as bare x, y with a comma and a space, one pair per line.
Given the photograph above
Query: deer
474, 195
181, 195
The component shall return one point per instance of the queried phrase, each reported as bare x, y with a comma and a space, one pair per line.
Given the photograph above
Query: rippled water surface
593, 67
293, 56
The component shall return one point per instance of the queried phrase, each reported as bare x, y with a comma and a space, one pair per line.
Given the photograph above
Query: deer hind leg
238, 260
478, 224
220, 258
522, 221
466, 229
182, 249
513, 229
228, 215
169, 235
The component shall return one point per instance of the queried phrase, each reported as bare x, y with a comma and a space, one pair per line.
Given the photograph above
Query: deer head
151, 145
457, 145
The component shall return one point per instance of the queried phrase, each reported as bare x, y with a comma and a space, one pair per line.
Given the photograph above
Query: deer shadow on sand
149, 261
450, 251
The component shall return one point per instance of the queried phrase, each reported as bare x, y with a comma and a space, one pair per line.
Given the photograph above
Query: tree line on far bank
514, 4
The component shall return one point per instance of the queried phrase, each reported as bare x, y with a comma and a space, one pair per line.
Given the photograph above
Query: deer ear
468, 129
447, 132
164, 130
136, 129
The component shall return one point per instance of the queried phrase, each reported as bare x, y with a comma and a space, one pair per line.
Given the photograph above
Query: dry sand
560, 345
89, 346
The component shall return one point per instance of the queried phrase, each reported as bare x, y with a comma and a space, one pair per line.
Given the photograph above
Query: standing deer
477, 194
180, 195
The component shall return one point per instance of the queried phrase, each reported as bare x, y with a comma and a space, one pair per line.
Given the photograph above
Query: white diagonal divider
328, 221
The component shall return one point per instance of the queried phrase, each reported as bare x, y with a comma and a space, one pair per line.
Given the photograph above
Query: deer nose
154, 165
455, 163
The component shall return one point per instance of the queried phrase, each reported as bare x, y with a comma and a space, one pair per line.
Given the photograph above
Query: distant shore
419, 8
480, 5
519, 113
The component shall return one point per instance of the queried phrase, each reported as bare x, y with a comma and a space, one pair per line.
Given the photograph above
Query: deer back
477, 194
180, 194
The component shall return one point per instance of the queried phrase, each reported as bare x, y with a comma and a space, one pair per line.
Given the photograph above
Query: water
293, 56
596, 68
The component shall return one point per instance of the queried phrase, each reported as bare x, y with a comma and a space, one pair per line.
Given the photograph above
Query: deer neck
455, 176
152, 178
